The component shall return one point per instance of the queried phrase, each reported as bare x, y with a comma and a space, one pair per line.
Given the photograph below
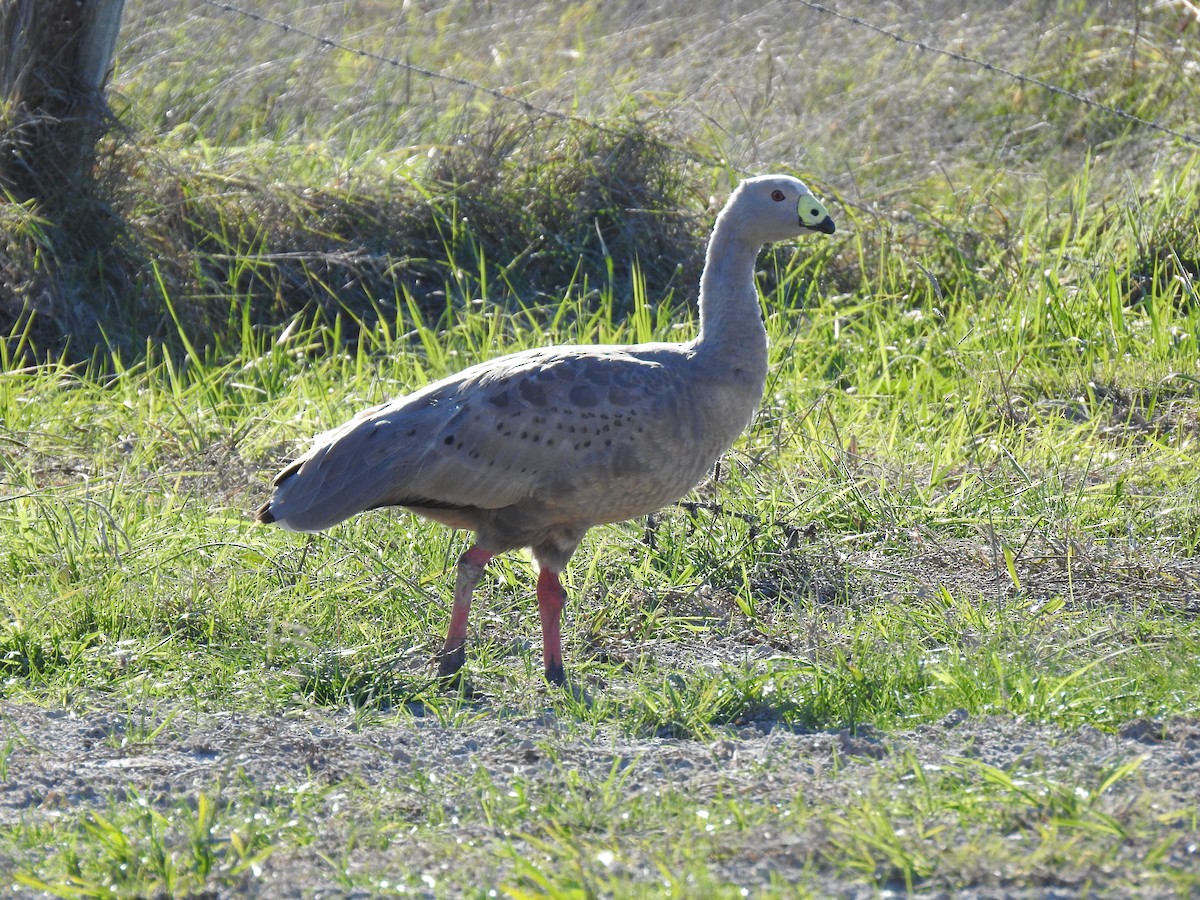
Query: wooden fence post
54, 59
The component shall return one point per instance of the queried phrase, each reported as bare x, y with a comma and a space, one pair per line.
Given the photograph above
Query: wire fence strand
500, 94
529, 106
1000, 70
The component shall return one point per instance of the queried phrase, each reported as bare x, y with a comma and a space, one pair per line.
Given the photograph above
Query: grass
970, 491
571, 830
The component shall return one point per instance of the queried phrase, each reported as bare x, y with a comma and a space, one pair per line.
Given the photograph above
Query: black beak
825, 226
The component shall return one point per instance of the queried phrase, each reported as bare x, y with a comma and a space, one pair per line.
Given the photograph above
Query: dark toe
555, 674
450, 662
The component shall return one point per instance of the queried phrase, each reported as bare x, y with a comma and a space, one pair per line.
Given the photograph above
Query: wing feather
524, 426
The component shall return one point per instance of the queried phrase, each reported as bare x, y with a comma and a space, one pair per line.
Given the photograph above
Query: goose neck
730, 317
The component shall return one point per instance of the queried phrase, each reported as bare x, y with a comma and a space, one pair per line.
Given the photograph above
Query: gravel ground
61, 763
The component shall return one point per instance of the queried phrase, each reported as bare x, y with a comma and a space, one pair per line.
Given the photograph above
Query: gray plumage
534, 448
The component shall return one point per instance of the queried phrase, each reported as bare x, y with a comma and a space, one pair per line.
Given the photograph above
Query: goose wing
530, 425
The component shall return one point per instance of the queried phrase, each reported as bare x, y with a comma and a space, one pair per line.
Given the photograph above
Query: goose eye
777, 195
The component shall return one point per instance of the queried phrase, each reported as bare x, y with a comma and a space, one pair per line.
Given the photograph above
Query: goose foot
555, 674
450, 663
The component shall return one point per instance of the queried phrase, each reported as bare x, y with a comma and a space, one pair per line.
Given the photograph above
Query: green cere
811, 212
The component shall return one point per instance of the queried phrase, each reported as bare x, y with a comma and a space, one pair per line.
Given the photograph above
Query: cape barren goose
533, 449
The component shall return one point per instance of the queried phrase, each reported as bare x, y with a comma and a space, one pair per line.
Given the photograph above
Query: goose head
775, 208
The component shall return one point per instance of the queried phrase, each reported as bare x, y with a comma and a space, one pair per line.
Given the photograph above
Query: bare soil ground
63, 763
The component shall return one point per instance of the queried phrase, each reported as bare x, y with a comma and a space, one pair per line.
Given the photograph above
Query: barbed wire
1000, 70
332, 44
529, 106
496, 93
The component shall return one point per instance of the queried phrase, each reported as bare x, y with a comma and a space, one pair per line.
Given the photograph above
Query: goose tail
306, 498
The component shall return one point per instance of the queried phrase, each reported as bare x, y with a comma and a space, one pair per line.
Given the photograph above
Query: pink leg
551, 598
470, 570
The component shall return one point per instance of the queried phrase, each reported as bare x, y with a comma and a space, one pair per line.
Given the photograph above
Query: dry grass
295, 177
